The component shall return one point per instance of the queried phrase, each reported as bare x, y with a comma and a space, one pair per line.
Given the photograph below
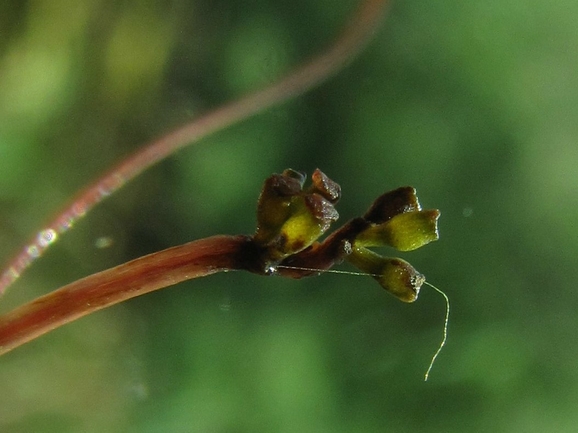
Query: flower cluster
395, 219
291, 219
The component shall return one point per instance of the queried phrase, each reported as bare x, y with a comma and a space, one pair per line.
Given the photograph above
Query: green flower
404, 232
290, 219
395, 275
396, 220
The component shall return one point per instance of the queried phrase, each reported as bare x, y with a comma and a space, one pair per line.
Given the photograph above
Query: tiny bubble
103, 242
271, 270
139, 390
467, 212
347, 248
225, 305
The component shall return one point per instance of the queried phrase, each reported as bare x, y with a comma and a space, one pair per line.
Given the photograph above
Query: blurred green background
472, 103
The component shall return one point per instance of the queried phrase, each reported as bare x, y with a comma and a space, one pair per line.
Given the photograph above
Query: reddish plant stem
137, 277
353, 38
164, 269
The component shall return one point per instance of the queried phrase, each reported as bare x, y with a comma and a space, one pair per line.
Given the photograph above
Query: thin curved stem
353, 38
137, 277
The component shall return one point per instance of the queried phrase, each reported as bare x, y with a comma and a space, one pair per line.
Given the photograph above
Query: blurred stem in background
358, 31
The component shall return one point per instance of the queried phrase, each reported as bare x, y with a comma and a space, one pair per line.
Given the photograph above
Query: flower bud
274, 204
404, 232
395, 275
392, 203
324, 186
290, 219
310, 217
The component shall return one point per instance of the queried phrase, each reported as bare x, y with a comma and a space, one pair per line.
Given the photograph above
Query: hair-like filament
446, 320
445, 333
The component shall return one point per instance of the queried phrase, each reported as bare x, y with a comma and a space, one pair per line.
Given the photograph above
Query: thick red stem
137, 277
